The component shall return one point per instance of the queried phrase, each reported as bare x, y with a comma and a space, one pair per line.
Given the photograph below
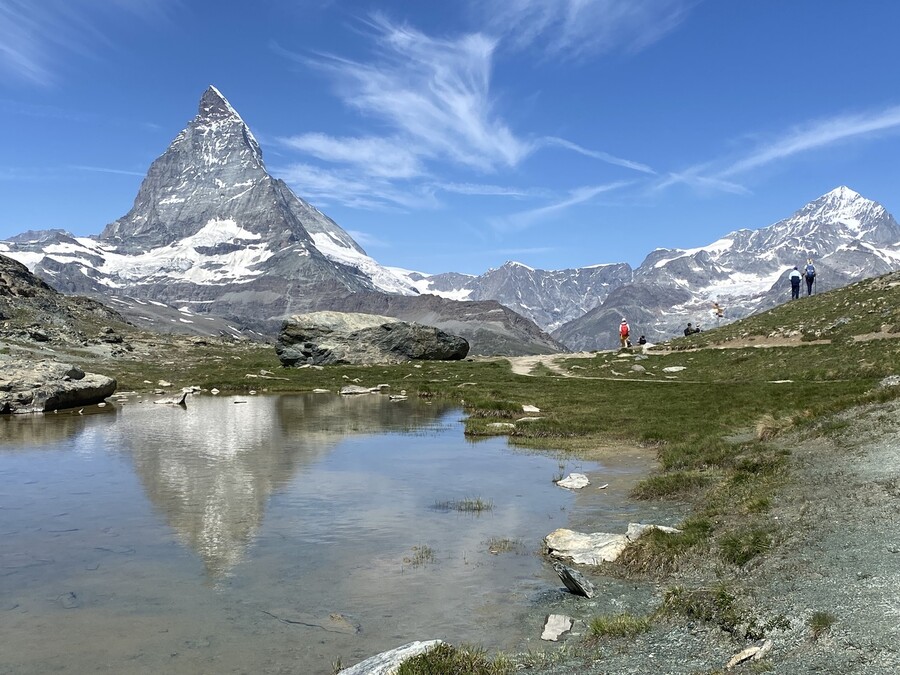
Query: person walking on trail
624, 332
795, 283
810, 274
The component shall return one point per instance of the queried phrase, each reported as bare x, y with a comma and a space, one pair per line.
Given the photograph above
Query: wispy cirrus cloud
433, 92
602, 156
432, 97
719, 174
36, 36
325, 187
525, 219
101, 169
576, 29
477, 189
817, 134
382, 157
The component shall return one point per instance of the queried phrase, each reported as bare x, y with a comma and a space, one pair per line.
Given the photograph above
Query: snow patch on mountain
383, 278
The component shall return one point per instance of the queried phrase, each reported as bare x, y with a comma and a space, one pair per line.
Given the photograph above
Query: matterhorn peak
213, 105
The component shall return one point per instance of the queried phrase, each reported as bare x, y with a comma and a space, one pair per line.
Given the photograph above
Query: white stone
530, 409
674, 369
556, 625
388, 662
574, 481
596, 547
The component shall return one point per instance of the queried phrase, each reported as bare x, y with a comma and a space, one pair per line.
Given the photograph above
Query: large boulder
322, 338
42, 386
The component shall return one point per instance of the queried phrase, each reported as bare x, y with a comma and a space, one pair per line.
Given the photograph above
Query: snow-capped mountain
208, 216
847, 236
212, 232
550, 298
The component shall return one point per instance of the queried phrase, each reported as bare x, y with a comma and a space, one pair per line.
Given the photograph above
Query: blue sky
453, 136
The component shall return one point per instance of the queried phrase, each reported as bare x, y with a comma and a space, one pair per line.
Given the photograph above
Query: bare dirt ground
523, 365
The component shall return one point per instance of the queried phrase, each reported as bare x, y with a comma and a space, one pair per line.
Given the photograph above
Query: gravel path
839, 555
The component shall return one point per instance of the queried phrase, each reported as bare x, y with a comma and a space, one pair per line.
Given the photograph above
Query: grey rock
387, 662
575, 581
890, 381
339, 337
42, 386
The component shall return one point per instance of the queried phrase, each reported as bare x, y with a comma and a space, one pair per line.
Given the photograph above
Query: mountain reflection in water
210, 468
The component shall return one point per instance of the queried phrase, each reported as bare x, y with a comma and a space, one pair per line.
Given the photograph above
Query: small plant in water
467, 505
496, 545
421, 555
820, 622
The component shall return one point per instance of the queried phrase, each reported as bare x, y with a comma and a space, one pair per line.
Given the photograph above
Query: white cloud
814, 135
525, 219
382, 157
36, 36
596, 154
488, 190
577, 29
433, 92
817, 134
100, 169
323, 186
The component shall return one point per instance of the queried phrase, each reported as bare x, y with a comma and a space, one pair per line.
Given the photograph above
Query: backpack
810, 271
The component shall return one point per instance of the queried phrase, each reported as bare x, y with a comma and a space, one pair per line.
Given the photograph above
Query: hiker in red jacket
624, 332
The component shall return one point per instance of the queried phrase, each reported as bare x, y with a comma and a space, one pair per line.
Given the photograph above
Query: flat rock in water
556, 625
355, 389
574, 481
387, 663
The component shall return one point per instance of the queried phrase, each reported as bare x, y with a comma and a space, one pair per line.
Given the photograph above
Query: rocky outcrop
596, 547
43, 386
324, 338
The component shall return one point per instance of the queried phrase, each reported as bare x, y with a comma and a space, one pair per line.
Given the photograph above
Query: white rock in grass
556, 625
530, 409
388, 662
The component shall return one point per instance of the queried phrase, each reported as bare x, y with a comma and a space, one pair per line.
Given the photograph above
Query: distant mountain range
214, 240
847, 236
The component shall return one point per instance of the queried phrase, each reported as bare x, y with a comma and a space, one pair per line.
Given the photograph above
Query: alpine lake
278, 534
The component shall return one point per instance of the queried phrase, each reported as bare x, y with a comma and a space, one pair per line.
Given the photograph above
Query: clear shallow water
270, 534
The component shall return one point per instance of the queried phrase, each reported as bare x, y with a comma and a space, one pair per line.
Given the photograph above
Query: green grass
743, 545
446, 659
618, 626
820, 622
